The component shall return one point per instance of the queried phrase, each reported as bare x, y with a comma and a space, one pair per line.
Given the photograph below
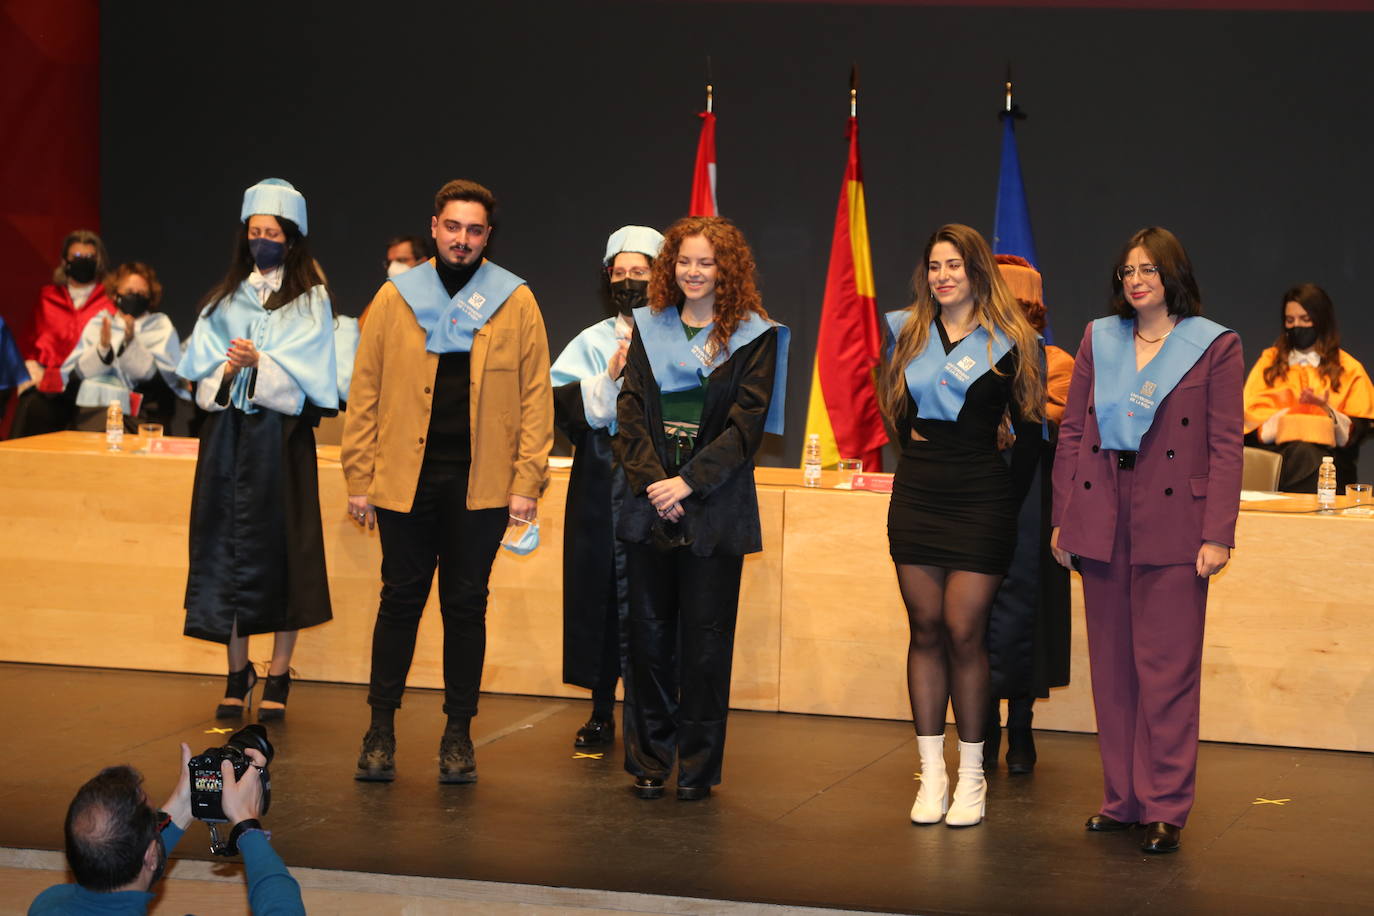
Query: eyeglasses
1148, 271
634, 273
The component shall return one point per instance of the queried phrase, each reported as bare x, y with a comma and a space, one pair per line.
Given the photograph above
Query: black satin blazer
721, 517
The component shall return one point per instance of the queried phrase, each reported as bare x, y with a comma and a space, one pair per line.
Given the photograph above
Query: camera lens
252, 737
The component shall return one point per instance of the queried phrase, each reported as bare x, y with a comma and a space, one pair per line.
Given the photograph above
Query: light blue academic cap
639, 239
275, 197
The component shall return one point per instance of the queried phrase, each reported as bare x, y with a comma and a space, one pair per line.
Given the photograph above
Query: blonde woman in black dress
960, 355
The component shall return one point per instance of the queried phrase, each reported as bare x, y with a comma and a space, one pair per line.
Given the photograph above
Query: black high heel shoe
276, 690
238, 686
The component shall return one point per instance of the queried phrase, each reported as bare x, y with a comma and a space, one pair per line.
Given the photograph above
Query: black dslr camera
207, 782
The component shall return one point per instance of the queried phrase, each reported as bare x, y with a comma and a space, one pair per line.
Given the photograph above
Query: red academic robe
57, 327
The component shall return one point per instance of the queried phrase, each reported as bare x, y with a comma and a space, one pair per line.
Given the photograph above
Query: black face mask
81, 269
1301, 338
133, 303
267, 254
628, 295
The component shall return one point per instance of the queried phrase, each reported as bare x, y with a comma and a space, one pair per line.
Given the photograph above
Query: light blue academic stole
1126, 399
680, 364
939, 381
451, 323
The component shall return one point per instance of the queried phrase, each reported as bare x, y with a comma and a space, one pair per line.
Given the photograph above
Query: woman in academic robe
960, 356
47, 402
130, 357
1029, 628
13, 372
587, 378
705, 377
1146, 495
263, 360
1306, 398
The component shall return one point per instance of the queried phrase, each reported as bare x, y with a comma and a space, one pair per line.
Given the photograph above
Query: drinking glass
1360, 498
149, 438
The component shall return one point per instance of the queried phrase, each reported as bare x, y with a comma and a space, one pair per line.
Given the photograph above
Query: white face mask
395, 269
518, 540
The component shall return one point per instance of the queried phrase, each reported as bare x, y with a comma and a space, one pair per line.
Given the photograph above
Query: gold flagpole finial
709, 88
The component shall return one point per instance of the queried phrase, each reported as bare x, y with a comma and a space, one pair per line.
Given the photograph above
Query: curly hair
129, 269
737, 293
995, 308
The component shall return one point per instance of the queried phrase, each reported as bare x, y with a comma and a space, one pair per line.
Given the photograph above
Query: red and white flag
704, 176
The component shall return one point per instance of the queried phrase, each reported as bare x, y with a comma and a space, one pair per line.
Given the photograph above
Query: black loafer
693, 793
596, 733
648, 787
1100, 823
1161, 837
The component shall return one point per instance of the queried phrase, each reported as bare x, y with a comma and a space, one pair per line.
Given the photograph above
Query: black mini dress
954, 498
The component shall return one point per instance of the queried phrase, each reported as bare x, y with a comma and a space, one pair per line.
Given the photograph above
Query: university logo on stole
1143, 397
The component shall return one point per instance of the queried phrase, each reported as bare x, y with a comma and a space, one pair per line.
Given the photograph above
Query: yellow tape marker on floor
1271, 801
218, 731
581, 756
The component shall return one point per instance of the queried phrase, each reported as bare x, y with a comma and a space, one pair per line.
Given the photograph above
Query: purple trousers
1145, 645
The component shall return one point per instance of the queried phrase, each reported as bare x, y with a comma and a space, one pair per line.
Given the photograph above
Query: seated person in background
403, 252
117, 844
134, 351
65, 306
13, 372
1307, 398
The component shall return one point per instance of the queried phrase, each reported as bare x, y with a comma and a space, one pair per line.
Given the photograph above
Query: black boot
238, 686
992, 735
1020, 738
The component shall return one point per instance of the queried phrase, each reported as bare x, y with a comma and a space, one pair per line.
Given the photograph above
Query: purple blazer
1186, 480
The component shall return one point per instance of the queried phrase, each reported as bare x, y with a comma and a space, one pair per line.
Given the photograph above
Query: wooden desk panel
93, 565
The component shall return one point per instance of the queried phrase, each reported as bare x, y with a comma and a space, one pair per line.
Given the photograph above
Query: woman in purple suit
1146, 494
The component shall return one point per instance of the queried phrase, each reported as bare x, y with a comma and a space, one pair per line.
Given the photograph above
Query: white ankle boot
971, 793
932, 800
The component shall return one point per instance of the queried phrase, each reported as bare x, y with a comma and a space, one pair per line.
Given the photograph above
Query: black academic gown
593, 560
1029, 627
257, 542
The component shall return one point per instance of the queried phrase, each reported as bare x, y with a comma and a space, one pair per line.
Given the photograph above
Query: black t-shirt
448, 440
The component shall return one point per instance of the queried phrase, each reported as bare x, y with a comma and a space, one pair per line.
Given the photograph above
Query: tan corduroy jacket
510, 405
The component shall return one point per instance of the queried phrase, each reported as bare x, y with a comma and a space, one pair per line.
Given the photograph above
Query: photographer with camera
117, 845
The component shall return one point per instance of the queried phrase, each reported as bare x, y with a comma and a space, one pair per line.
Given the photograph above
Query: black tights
948, 656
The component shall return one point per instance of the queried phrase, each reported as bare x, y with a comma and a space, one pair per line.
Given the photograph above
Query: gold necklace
1153, 340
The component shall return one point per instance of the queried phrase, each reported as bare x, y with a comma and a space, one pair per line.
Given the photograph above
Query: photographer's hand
178, 805
242, 799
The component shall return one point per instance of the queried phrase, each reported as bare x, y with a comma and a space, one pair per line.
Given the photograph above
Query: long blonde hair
994, 307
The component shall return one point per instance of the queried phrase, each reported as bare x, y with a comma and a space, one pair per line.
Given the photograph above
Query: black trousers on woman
438, 530
681, 644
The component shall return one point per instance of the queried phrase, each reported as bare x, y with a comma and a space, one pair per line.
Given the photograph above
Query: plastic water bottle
811, 461
114, 426
1326, 484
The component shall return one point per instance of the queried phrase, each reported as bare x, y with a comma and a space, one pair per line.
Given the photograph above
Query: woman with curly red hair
704, 379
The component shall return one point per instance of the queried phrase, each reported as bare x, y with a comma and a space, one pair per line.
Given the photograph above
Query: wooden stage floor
813, 810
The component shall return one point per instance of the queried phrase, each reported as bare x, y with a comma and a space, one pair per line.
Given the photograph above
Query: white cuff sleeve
1269, 429
599, 393
208, 387
1342, 428
89, 364
276, 390
136, 362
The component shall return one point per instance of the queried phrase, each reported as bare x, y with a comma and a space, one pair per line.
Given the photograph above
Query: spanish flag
704, 176
844, 402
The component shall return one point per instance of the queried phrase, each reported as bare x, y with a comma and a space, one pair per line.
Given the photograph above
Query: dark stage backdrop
1247, 133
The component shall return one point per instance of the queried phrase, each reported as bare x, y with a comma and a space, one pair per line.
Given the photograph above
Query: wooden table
93, 565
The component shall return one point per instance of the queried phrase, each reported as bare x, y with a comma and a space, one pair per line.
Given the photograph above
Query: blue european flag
1011, 226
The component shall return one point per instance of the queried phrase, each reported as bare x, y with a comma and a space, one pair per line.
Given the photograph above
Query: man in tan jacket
449, 426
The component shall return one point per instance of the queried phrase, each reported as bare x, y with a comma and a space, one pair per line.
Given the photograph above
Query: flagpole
1009, 108
709, 87
853, 90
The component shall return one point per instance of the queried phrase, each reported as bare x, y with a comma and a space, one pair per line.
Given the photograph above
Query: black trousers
681, 644
439, 530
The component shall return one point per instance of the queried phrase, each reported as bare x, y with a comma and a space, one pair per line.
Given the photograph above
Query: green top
682, 411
